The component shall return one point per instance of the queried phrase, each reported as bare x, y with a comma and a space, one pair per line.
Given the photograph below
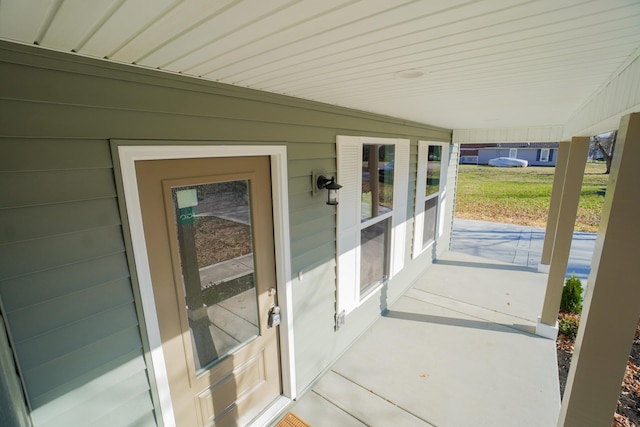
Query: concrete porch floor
453, 351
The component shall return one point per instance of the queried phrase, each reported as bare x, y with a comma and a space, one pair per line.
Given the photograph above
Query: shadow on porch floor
463, 356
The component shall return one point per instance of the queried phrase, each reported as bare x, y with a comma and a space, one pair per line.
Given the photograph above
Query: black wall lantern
332, 188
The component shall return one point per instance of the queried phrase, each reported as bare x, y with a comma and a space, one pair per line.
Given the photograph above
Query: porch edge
547, 331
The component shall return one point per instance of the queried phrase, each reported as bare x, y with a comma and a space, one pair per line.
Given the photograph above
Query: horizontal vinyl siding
64, 280
116, 101
529, 155
99, 395
67, 108
51, 252
313, 249
19, 189
485, 155
533, 157
22, 224
310, 216
132, 403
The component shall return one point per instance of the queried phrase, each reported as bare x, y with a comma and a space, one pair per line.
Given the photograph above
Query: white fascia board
552, 133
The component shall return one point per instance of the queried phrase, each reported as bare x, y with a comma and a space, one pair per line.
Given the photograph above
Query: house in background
124, 123
535, 153
469, 153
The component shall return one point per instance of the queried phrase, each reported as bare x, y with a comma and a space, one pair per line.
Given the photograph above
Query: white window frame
349, 225
544, 151
421, 198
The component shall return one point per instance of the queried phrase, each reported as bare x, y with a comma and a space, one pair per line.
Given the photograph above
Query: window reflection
430, 221
377, 180
374, 257
432, 194
213, 225
433, 169
378, 172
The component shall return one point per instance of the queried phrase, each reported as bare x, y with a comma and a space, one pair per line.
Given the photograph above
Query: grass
521, 195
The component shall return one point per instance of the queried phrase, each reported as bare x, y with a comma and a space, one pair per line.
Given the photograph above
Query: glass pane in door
430, 221
374, 255
213, 224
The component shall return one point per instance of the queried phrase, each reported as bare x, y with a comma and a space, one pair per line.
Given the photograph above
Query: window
513, 153
544, 154
371, 215
430, 194
376, 210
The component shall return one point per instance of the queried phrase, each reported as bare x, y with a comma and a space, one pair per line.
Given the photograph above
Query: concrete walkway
517, 244
224, 271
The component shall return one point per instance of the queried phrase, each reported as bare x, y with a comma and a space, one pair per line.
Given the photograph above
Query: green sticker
187, 198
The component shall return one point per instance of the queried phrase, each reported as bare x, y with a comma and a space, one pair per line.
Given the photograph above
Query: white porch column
554, 206
576, 162
612, 301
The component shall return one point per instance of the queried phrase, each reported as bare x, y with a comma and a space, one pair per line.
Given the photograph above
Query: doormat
292, 420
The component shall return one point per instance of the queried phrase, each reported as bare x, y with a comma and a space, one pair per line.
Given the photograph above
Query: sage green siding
65, 283
72, 310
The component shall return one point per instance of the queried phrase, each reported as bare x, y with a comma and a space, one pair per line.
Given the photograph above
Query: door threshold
270, 414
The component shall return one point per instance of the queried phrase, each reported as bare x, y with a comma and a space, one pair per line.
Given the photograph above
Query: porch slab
511, 294
445, 355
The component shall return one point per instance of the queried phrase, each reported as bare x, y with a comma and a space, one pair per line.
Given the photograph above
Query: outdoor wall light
332, 188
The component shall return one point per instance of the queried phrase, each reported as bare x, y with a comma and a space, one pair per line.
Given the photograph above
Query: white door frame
128, 155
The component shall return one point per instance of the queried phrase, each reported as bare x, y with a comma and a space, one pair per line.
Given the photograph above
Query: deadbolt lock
274, 317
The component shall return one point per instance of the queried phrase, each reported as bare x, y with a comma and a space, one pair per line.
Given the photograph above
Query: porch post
578, 150
554, 206
611, 309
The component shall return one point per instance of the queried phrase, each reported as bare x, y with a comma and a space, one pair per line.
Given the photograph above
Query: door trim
128, 154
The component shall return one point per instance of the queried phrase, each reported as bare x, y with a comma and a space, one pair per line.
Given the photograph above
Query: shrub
571, 301
568, 325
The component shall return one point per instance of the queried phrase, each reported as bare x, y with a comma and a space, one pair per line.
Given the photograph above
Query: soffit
485, 64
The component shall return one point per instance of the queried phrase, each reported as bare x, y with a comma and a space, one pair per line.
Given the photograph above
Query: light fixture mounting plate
314, 180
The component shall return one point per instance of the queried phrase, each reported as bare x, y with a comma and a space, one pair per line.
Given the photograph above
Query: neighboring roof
510, 145
528, 145
450, 63
476, 146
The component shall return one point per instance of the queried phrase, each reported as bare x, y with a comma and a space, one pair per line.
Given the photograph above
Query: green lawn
521, 195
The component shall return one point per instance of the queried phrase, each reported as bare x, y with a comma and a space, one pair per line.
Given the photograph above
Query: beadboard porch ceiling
458, 64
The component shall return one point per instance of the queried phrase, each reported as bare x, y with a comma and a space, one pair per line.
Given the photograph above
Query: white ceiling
486, 63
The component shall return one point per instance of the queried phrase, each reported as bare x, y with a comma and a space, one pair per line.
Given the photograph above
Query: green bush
568, 325
571, 301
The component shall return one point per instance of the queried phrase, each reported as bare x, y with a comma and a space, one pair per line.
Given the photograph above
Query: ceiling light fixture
412, 73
